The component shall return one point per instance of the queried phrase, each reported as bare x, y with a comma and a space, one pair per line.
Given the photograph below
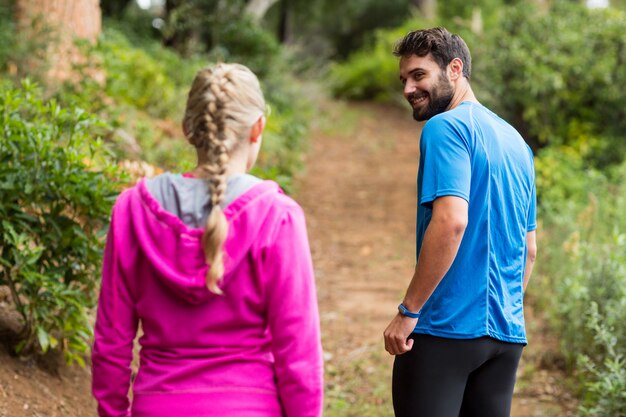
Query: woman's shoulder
130, 193
281, 199
266, 200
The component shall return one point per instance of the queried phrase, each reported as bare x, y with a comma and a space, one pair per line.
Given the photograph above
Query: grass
359, 385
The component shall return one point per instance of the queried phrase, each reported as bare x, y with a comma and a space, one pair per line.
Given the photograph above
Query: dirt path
358, 192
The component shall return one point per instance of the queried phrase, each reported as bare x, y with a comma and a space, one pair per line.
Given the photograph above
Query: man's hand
396, 334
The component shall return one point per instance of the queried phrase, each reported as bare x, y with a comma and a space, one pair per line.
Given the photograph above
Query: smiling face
427, 87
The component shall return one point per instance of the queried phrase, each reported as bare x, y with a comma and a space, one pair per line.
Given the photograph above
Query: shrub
241, 40
149, 82
556, 74
150, 78
26, 53
581, 283
7, 35
372, 72
56, 193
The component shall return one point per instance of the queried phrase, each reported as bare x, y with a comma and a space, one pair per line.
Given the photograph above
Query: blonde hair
223, 104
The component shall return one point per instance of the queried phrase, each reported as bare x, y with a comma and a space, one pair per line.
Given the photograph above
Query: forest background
83, 119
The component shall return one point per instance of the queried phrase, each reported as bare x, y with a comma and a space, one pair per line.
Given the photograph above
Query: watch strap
405, 312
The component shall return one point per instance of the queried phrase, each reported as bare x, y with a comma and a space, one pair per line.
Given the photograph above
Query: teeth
415, 100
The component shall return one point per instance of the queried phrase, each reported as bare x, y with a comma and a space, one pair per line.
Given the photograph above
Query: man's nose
409, 87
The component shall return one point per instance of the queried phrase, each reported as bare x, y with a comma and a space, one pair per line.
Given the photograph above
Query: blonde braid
217, 117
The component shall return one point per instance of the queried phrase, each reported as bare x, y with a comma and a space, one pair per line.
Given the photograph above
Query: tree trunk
284, 23
57, 24
258, 8
114, 8
426, 7
171, 39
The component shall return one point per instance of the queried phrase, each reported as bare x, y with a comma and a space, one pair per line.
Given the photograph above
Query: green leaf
42, 337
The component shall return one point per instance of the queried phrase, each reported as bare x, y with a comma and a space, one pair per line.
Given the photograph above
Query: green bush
348, 24
150, 78
144, 92
285, 135
147, 83
605, 383
581, 282
241, 40
56, 193
558, 76
7, 34
372, 72
26, 53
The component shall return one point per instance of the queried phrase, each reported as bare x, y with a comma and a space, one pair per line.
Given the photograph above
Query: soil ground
358, 192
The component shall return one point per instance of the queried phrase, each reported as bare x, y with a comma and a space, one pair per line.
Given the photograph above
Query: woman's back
247, 344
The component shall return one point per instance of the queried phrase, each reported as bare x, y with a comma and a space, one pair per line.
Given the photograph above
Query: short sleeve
445, 160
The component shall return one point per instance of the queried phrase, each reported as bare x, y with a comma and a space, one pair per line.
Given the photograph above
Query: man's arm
441, 243
531, 241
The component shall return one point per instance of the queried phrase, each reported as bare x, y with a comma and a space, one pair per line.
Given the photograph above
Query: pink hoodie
254, 351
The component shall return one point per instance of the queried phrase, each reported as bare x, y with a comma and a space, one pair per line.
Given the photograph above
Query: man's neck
463, 93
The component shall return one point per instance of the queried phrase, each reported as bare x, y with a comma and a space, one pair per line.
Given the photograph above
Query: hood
175, 250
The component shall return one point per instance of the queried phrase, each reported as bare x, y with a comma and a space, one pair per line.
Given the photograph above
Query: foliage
349, 24
56, 193
7, 33
224, 31
285, 135
25, 54
354, 387
153, 81
558, 76
145, 88
139, 26
149, 78
323, 27
606, 392
582, 264
115, 7
138, 89
56, 184
241, 40
191, 25
372, 73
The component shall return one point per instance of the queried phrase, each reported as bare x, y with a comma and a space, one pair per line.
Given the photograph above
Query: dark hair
441, 44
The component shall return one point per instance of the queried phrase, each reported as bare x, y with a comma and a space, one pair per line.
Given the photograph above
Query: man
459, 332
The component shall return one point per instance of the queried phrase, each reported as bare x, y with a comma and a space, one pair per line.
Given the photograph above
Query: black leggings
443, 377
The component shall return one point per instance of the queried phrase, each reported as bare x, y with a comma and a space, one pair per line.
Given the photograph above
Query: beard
439, 99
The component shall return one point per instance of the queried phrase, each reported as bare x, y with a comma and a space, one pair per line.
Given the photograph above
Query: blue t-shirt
471, 153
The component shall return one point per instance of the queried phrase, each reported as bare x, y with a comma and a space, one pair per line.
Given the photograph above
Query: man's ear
456, 69
257, 129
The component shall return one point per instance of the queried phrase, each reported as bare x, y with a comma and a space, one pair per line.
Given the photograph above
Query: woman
215, 265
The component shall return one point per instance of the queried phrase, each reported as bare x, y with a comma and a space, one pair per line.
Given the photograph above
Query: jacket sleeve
293, 317
115, 330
